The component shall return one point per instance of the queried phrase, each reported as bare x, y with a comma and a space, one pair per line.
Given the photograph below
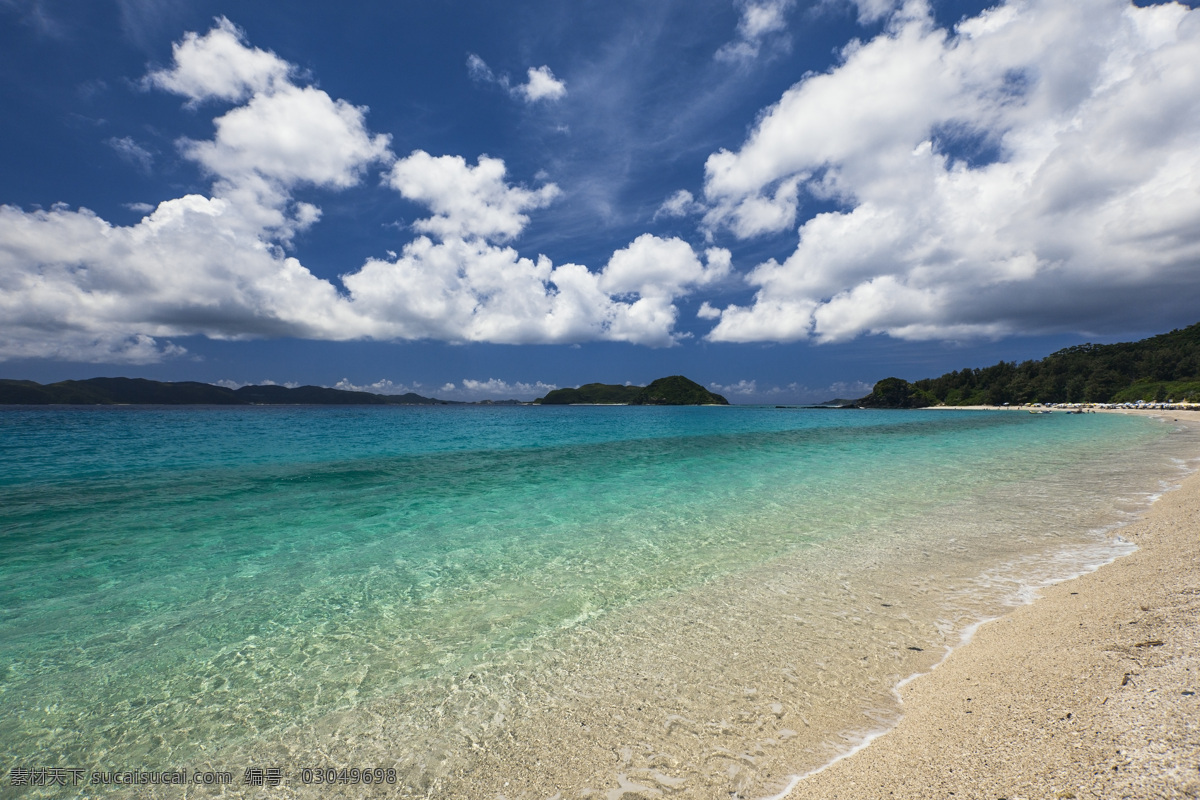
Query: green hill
677, 391
673, 391
1163, 367
139, 391
593, 393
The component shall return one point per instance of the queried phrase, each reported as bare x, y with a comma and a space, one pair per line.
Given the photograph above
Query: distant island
673, 391
1160, 368
140, 391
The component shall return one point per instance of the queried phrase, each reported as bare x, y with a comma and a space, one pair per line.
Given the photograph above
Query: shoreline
740, 682
1091, 690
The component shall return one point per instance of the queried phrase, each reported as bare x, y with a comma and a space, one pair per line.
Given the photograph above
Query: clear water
442, 589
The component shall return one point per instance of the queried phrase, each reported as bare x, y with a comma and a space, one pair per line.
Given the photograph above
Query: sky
784, 200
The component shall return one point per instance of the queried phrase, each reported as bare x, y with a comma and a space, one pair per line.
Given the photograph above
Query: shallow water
520, 601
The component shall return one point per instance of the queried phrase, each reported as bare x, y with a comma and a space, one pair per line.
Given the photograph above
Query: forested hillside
1164, 367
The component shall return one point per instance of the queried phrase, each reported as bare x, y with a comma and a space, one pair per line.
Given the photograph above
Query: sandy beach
731, 686
1091, 691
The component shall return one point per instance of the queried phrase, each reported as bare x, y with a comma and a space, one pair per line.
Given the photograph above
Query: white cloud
542, 85
478, 69
219, 66
756, 214
132, 152
759, 20
291, 136
794, 392
874, 10
381, 386
466, 201
680, 204
467, 290
652, 267
742, 387
494, 387
849, 390
73, 282
1036, 169
74, 286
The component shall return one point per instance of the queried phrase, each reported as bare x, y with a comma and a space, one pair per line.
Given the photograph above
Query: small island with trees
673, 391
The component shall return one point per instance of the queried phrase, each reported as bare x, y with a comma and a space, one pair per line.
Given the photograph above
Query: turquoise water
178, 581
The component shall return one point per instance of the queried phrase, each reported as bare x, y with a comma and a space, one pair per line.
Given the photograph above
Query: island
140, 391
675, 390
1159, 369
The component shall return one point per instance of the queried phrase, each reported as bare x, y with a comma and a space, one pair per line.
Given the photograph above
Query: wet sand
1092, 691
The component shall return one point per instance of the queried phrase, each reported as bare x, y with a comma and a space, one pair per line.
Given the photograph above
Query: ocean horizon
472, 600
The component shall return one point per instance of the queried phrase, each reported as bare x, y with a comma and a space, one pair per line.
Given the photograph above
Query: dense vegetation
673, 391
139, 391
1164, 367
591, 393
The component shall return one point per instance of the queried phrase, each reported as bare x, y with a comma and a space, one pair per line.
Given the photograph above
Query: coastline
1093, 690
739, 682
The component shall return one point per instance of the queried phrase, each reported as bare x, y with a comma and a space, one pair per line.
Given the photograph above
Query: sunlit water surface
520, 600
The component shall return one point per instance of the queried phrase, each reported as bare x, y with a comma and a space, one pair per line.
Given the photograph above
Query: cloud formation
759, 21
743, 388
75, 287
680, 204
381, 386
748, 391
494, 387
1036, 168
219, 66
132, 152
466, 201
540, 85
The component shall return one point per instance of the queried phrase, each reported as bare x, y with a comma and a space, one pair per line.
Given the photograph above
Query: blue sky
784, 200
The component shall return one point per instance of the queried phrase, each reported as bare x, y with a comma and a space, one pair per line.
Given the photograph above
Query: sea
516, 601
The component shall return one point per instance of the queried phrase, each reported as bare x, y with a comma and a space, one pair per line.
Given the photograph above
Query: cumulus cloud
466, 201
742, 387
681, 204
1035, 169
494, 387
73, 286
461, 284
540, 84
219, 66
760, 19
794, 392
851, 390
470, 290
291, 136
283, 135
